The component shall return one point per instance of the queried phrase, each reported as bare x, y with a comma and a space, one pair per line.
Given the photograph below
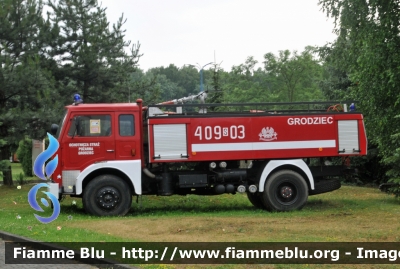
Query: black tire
325, 186
107, 195
256, 200
285, 190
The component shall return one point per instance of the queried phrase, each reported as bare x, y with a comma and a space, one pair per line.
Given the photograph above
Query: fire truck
277, 154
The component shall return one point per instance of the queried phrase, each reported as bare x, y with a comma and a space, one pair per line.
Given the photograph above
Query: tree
367, 47
299, 74
335, 83
216, 95
91, 57
186, 78
246, 84
143, 86
168, 90
25, 86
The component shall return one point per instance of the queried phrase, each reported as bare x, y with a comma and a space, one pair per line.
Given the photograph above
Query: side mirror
75, 127
77, 121
54, 129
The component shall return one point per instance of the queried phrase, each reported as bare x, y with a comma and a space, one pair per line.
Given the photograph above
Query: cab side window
126, 125
90, 126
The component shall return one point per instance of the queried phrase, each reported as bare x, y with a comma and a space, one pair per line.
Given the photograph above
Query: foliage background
24, 153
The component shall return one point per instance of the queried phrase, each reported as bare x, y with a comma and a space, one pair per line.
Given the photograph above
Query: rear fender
275, 164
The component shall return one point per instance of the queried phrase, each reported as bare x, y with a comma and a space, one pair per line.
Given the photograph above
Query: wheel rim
108, 198
286, 193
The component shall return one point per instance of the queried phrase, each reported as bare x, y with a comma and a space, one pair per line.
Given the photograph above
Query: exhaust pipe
148, 173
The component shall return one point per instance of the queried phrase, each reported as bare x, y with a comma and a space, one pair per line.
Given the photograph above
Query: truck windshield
61, 125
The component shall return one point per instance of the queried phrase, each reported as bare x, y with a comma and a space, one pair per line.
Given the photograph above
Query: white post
37, 148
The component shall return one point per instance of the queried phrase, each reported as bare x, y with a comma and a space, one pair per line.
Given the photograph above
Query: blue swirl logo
49, 170
32, 201
44, 156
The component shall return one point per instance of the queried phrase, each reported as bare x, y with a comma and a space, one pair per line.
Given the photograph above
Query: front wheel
107, 195
256, 200
285, 190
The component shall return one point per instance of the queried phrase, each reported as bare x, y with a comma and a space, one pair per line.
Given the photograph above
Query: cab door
127, 136
90, 139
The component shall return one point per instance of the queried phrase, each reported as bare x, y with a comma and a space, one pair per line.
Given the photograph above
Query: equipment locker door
348, 137
170, 141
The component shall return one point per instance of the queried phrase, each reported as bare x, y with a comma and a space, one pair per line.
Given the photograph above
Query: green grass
16, 170
352, 205
364, 213
18, 218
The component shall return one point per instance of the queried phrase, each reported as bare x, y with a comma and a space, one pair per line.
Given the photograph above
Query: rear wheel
107, 195
285, 190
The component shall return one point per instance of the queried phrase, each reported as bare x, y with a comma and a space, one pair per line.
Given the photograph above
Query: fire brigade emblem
268, 134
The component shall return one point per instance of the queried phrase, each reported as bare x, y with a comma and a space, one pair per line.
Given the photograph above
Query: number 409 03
217, 132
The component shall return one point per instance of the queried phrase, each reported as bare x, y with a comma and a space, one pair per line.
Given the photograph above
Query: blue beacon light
77, 99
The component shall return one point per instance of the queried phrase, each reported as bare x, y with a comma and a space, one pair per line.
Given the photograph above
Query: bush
394, 172
21, 179
24, 154
4, 167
